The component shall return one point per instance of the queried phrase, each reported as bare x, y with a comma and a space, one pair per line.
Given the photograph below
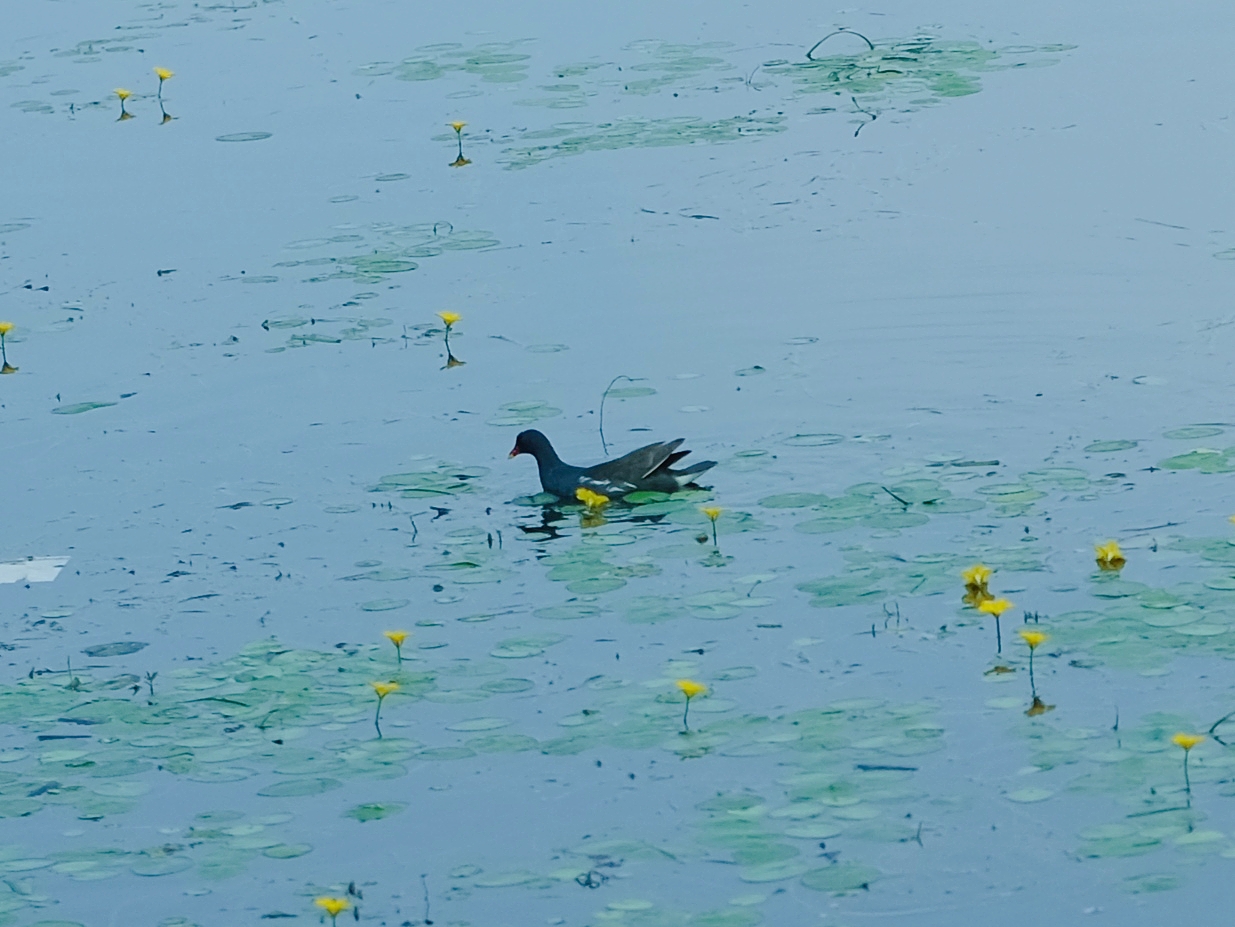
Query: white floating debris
32, 569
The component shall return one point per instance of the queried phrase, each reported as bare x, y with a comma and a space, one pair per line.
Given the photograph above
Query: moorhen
644, 470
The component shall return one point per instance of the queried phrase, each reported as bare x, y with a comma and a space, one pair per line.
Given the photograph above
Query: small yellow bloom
994, 607
383, 689
1109, 556
332, 906
5, 327
164, 74
977, 575
712, 512
1187, 741
458, 126
690, 688
396, 637
593, 500
1033, 638
122, 93
449, 318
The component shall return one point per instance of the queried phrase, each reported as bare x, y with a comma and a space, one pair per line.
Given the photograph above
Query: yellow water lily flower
332, 906
977, 575
593, 500
690, 688
994, 607
1034, 639
396, 637
164, 74
449, 318
383, 689
122, 93
1187, 741
6, 327
458, 126
1109, 556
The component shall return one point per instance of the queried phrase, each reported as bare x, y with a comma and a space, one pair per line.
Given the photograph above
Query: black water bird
644, 470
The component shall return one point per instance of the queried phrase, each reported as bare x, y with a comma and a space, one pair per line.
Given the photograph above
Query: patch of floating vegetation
1140, 627
1203, 459
382, 249
521, 414
217, 845
432, 479
848, 771
565, 139
875, 576
353, 329
911, 72
1139, 770
492, 62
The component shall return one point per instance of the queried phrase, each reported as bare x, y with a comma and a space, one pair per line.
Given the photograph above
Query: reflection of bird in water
644, 470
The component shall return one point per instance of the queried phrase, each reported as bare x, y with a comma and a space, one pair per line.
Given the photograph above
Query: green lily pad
375, 811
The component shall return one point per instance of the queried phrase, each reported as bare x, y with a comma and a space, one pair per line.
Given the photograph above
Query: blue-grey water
955, 291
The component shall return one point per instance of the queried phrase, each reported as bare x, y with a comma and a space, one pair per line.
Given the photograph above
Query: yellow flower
122, 93
1187, 741
994, 607
5, 327
164, 74
690, 688
712, 512
1033, 638
593, 500
977, 575
332, 906
1109, 556
458, 126
396, 637
383, 689
449, 318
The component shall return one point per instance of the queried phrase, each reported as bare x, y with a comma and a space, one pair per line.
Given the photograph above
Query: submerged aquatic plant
332, 906
1034, 639
713, 513
1187, 742
382, 689
5, 328
459, 161
995, 607
1109, 556
397, 638
690, 689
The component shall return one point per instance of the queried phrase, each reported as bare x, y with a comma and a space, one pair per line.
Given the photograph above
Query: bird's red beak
515, 452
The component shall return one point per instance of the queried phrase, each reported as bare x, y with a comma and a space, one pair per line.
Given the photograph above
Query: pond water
935, 287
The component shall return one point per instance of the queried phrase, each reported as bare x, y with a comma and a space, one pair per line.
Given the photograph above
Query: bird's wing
605, 487
637, 465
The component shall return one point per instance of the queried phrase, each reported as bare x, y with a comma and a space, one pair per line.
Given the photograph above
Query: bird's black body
644, 470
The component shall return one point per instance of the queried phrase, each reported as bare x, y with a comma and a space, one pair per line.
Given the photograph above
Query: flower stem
1187, 782
377, 717
998, 637
3, 354
714, 543
1032, 687
685, 715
